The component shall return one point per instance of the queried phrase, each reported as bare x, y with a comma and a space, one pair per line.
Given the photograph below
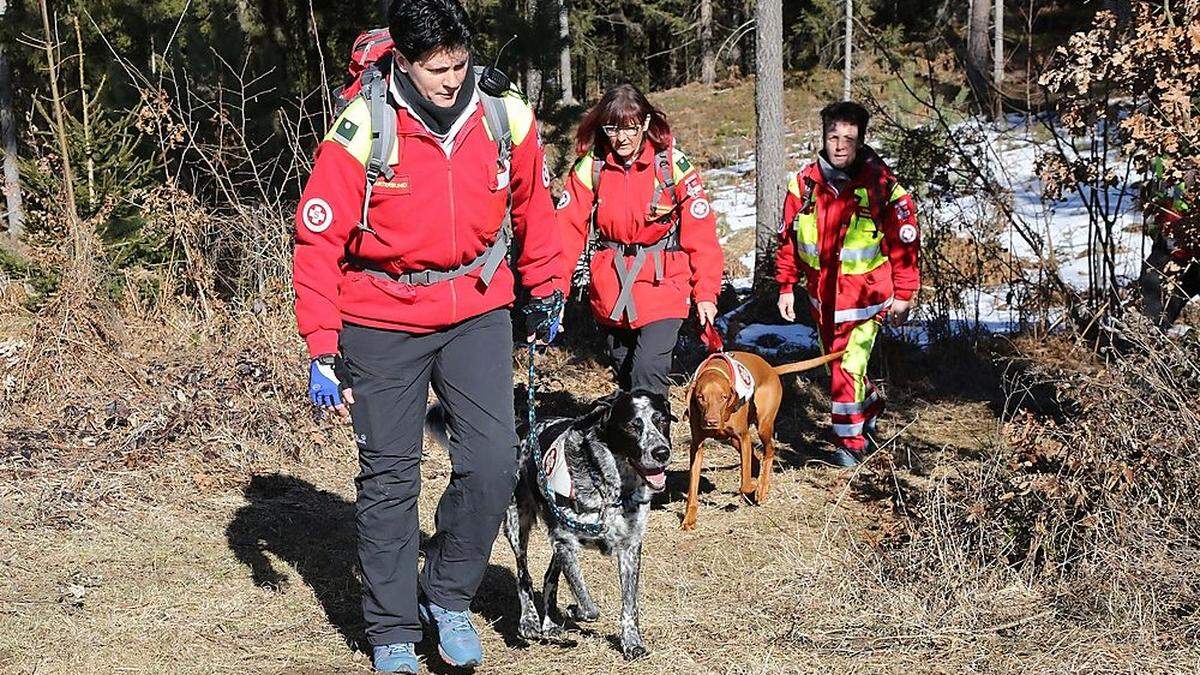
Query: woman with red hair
657, 251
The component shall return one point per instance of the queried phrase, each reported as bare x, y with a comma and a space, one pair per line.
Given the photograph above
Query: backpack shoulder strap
383, 133
662, 163
495, 116
597, 166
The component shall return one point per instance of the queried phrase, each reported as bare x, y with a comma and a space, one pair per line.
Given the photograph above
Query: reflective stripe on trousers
838, 408
854, 401
860, 313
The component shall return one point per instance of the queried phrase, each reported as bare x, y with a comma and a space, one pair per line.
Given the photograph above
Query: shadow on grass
313, 531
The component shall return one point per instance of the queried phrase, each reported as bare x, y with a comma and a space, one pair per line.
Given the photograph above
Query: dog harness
554, 468
739, 375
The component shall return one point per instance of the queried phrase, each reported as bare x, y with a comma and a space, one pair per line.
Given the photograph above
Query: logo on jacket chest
400, 183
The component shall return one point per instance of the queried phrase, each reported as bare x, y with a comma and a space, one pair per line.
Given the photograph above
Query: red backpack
368, 48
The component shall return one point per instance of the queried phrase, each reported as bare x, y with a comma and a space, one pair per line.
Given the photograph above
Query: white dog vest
554, 468
743, 380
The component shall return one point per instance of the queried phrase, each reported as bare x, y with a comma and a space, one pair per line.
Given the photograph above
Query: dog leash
543, 481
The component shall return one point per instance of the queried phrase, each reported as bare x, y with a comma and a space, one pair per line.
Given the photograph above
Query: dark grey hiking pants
641, 357
470, 368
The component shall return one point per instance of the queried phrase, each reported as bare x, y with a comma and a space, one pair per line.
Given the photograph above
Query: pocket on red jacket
360, 286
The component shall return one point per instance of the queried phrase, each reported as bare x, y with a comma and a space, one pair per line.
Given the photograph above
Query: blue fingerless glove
324, 385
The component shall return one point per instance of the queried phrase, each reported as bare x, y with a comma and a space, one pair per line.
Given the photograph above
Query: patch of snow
1061, 226
736, 204
772, 340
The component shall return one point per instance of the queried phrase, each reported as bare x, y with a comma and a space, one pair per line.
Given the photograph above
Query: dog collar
738, 374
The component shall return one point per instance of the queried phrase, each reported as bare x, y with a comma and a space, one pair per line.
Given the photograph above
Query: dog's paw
760, 495
579, 615
529, 630
689, 519
634, 651
554, 634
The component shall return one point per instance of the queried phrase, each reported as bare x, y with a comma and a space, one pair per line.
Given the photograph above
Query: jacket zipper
625, 206
453, 237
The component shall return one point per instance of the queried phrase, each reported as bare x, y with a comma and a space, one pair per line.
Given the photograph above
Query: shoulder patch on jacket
352, 130
683, 165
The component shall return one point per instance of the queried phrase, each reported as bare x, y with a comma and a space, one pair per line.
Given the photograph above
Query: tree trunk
81, 236
708, 58
977, 51
848, 61
564, 54
533, 74
998, 60
8, 136
768, 104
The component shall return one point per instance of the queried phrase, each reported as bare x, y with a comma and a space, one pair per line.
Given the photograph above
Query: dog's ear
657, 400
596, 417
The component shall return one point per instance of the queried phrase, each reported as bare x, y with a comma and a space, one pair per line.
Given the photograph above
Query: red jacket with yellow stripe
626, 214
856, 249
443, 208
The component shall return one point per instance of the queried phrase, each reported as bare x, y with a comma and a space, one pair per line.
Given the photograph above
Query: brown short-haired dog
723, 401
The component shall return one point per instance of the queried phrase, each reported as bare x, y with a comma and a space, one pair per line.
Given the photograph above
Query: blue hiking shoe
395, 658
458, 643
842, 458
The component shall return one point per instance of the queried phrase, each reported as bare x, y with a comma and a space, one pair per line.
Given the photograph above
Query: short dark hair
848, 112
421, 26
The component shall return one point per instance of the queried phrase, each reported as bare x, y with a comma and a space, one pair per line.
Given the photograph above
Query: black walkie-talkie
492, 81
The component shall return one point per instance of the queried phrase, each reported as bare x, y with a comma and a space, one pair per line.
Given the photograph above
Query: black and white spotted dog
601, 470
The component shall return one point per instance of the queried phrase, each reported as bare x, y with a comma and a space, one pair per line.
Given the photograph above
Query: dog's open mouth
656, 478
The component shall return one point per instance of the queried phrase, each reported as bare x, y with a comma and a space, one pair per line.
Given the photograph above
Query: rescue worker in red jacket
849, 235
1171, 273
658, 252
418, 294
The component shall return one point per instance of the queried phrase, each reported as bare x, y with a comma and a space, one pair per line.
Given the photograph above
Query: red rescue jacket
692, 273
837, 296
440, 210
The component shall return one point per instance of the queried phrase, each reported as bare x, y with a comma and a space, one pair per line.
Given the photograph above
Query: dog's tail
435, 424
808, 364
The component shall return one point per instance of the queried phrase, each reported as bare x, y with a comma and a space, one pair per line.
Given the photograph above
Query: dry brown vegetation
168, 503
192, 517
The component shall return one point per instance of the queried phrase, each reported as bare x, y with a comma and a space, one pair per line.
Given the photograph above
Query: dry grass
181, 561
168, 504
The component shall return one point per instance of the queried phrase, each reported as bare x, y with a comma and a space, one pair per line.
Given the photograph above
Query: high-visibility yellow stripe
794, 186
583, 170
858, 353
681, 160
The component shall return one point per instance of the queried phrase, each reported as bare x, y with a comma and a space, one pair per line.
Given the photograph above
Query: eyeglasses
612, 130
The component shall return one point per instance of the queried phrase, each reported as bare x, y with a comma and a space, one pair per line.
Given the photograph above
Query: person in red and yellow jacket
849, 234
658, 254
412, 290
